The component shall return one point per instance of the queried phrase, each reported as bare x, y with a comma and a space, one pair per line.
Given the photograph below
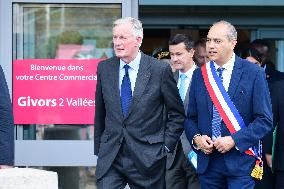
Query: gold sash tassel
257, 171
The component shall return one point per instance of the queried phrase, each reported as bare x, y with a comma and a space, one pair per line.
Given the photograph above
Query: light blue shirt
188, 74
133, 71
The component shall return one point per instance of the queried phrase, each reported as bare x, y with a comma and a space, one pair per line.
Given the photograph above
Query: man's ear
234, 43
191, 52
139, 41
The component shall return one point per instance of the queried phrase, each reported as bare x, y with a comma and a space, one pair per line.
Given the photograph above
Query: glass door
44, 32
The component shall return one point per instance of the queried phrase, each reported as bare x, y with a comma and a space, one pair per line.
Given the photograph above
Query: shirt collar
228, 65
134, 64
189, 72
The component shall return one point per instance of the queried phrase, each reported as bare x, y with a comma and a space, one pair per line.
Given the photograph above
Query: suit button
123, 126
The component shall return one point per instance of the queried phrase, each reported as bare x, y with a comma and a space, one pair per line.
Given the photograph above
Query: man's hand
5, 166
268, 158
204, 143
224, 144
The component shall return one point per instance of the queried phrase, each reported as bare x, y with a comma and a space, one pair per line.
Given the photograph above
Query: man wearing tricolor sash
229, 111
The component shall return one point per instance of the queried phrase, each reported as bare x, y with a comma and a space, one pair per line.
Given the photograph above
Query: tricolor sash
227, 110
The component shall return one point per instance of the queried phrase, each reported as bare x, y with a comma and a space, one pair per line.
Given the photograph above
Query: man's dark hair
253, 53
182, 38
201, 42
260, 42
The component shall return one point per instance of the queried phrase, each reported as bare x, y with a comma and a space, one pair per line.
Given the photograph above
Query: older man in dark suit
133, 89
229, 111
6, 125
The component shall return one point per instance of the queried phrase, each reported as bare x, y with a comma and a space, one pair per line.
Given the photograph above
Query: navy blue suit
249, 92
6, 124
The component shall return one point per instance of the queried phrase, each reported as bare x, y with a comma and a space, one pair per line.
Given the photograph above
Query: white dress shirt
132, 71
227, 73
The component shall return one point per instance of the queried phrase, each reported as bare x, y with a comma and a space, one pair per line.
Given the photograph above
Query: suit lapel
142, 79
114, 84
176, 76
235, 78
209, 104
186, 99
209, 101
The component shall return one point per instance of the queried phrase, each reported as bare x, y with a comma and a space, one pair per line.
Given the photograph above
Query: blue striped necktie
182, 86
125, 93
216, 121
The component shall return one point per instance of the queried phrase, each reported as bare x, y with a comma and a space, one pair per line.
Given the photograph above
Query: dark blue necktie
216, 121
126, 93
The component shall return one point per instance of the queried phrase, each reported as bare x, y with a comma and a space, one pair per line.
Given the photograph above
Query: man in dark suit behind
277, 93
200, 55
180, 173
131, 139
272, 76
6, 125
221, 160
263, 47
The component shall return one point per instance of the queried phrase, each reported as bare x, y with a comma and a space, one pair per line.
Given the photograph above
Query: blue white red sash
224, 104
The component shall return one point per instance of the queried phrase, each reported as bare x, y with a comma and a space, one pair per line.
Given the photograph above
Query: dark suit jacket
277, 93
142, 129
272, 76
6, 124
249, 92
183, 140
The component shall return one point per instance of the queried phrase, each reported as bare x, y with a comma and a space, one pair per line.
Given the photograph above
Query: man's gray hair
232, 32
137, 25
